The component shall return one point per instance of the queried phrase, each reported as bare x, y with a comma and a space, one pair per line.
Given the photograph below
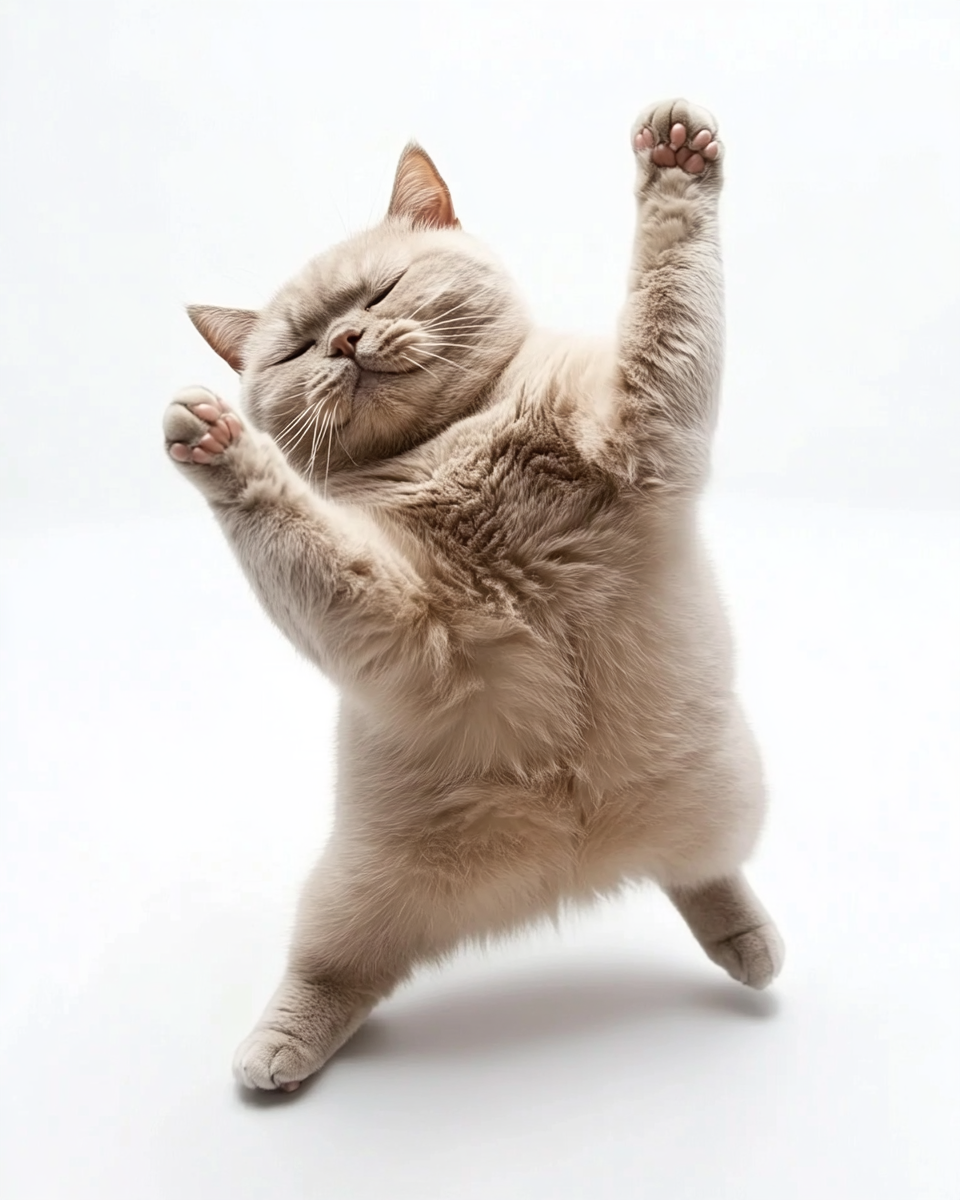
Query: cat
486, 536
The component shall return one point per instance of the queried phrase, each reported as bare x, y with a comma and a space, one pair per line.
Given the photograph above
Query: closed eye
384, 294
294, 354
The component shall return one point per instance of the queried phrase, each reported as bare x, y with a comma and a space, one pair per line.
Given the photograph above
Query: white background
161, 747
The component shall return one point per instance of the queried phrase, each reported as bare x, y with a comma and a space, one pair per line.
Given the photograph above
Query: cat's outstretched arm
670, 348
324, 572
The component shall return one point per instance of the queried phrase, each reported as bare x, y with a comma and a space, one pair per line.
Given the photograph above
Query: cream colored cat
487, 536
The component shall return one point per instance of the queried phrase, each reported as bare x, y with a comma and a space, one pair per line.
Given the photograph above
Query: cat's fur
487, 537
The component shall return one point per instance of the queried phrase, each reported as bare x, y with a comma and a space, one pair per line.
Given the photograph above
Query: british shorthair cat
486, 536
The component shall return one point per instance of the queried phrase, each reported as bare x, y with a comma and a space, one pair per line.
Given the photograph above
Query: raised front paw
676, 133
199, 427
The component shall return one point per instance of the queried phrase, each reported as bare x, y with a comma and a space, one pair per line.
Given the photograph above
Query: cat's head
379, 343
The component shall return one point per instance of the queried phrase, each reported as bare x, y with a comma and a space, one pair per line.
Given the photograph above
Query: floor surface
165, 779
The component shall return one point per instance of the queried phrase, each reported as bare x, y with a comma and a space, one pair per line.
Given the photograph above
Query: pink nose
344, 345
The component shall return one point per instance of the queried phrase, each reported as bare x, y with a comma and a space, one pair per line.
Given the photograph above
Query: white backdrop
165, 758
156, 154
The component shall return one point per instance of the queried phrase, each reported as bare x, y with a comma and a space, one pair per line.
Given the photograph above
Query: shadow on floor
554, 1006
557, 1005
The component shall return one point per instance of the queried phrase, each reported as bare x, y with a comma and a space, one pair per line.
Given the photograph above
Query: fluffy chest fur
584, 631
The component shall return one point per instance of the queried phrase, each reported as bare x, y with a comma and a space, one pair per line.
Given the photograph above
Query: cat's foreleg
325, 573
670, 347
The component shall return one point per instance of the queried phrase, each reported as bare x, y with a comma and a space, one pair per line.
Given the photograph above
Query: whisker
454, 330
412, 334
289, 431
428, 300
439, 316
315, 444
296, 419
464, 322
342, 447
459, 366
306, 411
312, 412
316, 441
408, 341
305, 432
291, 443
326, 477
421, 367
336, 413
451, 310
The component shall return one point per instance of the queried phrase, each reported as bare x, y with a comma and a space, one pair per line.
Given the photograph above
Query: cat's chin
369, 384
366, 379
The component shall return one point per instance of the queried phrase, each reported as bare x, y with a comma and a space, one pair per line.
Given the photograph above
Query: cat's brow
330, 304
346, 297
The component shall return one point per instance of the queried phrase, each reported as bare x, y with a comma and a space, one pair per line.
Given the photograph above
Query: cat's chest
508, 511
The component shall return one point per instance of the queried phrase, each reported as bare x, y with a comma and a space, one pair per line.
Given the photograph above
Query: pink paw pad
690, 153
223, 428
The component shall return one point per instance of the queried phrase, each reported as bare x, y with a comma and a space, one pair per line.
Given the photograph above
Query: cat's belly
586, 745
493, 850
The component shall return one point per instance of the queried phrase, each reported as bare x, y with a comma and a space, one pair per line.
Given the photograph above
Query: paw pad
199, 427
689, 143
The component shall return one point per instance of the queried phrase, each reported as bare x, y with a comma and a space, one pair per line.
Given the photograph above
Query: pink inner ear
225, 330
419, 192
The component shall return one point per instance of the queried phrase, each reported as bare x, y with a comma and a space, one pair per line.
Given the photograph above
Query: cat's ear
419, 193
226, 330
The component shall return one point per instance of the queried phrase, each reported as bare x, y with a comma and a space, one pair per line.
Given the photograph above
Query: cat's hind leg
733, 928
398, 886
708, 819
307, 1020
357, 935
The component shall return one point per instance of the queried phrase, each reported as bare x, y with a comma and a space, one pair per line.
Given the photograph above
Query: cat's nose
344, 345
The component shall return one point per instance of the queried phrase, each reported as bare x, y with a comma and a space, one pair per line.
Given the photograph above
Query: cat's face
379, 343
